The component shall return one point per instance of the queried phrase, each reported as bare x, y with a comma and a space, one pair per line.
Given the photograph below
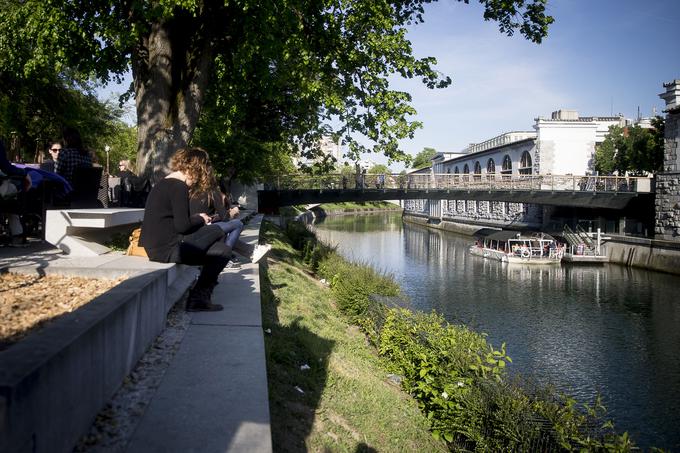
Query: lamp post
107, 148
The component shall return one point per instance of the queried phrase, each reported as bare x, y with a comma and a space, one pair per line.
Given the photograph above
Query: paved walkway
213, 397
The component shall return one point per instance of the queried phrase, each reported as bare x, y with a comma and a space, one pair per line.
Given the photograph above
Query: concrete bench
80, 232
54, 381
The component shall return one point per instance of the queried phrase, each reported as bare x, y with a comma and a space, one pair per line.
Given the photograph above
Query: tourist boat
517, 247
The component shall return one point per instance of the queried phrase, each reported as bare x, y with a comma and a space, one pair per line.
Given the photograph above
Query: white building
564, 144
328, 147
561, 145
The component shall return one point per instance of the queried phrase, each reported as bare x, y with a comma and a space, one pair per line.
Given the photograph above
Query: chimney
565, 115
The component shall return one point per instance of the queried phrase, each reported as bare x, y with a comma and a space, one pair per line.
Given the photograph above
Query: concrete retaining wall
656, 255
650, 254
454, 227
53, 383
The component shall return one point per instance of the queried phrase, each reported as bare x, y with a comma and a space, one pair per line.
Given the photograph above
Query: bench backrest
86, 185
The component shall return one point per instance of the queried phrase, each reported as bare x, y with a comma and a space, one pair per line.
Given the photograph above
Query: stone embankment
651, 254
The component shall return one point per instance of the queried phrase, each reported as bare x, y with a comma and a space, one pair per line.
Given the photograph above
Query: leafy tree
277, 69
632, 149
34, 111
379, 169
121, 138
424, 158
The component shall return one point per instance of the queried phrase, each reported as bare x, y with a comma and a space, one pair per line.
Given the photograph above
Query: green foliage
379, 169
632, 149
346, 404
353, 284
424, 158
35, 111
268, 76
460, 380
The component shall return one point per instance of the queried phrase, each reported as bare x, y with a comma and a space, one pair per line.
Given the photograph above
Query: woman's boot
199, 300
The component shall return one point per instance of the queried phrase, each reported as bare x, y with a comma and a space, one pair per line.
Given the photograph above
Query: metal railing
571, 183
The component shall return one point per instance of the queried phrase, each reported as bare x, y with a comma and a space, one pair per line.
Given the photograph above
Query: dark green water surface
585, 329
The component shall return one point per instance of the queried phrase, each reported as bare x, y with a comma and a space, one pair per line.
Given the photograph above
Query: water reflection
606, 329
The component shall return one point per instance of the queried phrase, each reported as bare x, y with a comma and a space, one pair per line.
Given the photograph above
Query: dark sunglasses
55, 149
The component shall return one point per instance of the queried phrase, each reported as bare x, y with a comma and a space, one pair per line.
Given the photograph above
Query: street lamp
107, 148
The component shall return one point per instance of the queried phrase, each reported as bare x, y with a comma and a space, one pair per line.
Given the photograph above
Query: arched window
490, 169
506, 170
455, 170
478, 171
466, 172
525, 167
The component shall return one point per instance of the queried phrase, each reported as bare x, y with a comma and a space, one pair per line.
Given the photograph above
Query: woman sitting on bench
170, 234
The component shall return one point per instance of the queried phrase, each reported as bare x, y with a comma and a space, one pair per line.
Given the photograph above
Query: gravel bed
28, 302
116, 422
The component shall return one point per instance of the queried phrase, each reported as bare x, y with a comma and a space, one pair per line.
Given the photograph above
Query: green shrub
353, 284
457, 377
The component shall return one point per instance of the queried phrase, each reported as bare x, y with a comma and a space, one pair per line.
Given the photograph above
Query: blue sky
600, 57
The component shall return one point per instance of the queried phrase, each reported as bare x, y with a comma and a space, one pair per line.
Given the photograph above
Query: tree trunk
170, 70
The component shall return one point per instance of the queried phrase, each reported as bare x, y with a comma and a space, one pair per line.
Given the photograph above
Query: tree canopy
424, 158
34, 112
632, 149
244, 72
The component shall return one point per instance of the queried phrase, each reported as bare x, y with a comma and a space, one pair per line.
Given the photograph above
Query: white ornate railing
572, 183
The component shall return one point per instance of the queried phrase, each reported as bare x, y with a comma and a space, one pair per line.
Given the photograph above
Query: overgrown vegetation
327, 389
459, 380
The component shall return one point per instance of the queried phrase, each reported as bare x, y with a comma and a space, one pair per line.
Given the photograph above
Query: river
603, 329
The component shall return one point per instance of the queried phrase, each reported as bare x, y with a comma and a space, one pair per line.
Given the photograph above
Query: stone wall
667, 203
651, 254
667, 206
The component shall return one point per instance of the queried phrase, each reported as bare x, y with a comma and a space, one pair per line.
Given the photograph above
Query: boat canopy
505, 235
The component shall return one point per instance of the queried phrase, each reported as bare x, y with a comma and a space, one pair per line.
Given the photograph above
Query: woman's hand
234, 212
206, 218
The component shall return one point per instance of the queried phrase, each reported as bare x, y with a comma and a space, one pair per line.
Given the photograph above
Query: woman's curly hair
195, 163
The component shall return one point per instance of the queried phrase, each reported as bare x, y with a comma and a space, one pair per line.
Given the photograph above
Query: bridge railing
573, 183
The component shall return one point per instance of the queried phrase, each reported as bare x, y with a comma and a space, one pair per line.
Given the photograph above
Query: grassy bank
458, 379
292, 211
344, 401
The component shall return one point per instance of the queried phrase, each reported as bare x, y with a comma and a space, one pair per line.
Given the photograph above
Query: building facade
563, 144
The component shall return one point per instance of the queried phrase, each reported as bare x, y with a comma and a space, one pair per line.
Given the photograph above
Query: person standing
171, 234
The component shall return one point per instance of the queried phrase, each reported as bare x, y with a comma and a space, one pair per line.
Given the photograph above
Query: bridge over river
608, 192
